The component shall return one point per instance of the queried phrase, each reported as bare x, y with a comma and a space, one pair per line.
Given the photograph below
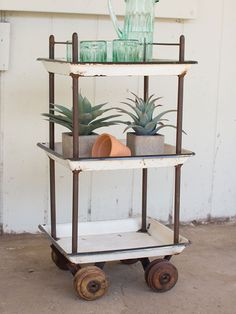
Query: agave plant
143, 120
88, 116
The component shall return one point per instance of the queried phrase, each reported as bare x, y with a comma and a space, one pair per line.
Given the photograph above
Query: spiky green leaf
128, 113
67, 112
158, 117
98, 107
164, 126
106, 118
137, 128
135, 109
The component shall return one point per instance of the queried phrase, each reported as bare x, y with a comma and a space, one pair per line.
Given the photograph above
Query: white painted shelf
168, 159
155, 68
96, 240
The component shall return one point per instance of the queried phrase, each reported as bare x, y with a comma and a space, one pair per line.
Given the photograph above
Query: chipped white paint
4, 46
87, 70
118, 163
122, 235
127, 164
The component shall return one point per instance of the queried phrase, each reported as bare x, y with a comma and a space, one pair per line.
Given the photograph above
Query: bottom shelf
116, 240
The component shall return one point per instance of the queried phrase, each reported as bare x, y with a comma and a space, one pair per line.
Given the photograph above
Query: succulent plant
143, 120
88, 116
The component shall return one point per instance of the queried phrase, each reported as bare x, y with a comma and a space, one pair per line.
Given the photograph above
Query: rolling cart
128, 240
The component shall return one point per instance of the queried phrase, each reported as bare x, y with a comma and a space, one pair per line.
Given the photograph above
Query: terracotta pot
85, 145
107, 145
145, 145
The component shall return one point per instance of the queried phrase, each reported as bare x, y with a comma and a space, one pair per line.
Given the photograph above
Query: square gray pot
145, 145
85, 145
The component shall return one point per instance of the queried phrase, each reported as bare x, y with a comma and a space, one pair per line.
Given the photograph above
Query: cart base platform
102, 241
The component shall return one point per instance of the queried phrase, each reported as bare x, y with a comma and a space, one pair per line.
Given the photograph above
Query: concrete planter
141, 145
85, 145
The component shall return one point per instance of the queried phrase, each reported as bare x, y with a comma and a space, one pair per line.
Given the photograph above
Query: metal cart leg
53, 199
52, 141
177, 203
179, 142
145, 172
75, 88
144, 201
75, 213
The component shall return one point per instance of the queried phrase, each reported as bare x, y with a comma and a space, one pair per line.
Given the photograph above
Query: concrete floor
30, 283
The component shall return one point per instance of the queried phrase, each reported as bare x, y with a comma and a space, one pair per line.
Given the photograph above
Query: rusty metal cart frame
90, 282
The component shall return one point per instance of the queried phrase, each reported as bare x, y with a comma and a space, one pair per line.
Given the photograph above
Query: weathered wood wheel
59, 259
129, 261
161, 275
90, 283
150, 266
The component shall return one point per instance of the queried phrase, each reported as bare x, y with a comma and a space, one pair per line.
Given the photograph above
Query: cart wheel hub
165, 278
93, 286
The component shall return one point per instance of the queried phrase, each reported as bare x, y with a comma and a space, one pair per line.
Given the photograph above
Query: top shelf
153, 68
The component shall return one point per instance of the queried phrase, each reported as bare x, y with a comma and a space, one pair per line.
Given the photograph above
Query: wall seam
215, 144
1, 160
2, 19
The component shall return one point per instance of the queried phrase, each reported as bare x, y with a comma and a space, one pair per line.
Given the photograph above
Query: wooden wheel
161, 275
90, 283
150, 266
59, 259
129, 261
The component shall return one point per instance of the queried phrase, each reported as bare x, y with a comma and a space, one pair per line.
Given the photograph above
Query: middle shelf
168, 159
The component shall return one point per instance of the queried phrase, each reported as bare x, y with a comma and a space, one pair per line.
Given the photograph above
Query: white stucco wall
209, 179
